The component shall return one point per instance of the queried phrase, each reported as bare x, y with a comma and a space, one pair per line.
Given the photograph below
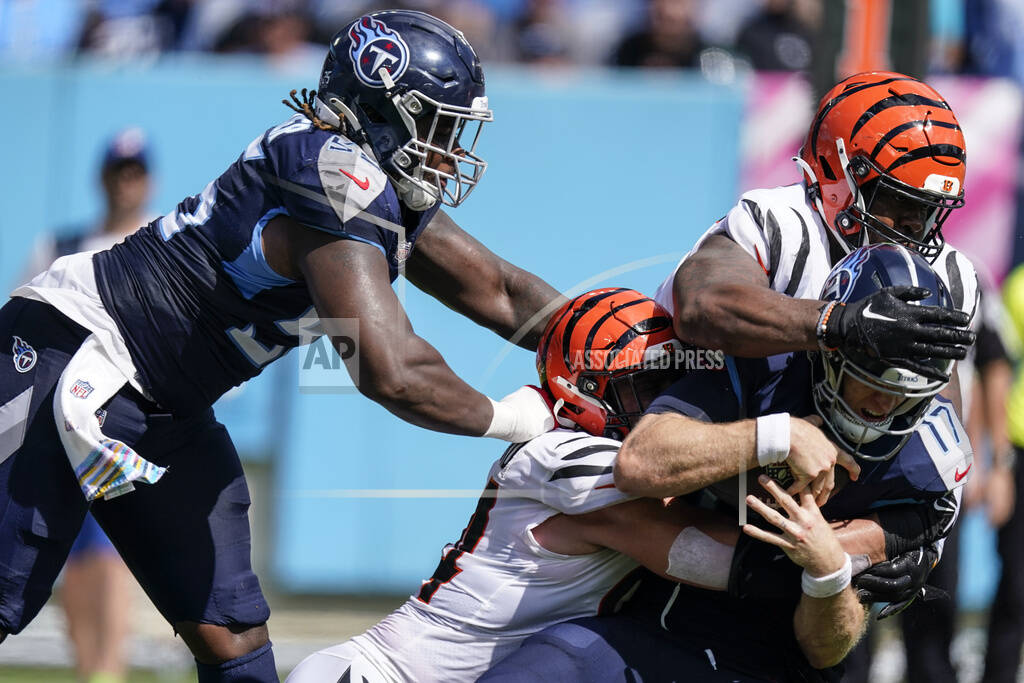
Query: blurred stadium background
599, 174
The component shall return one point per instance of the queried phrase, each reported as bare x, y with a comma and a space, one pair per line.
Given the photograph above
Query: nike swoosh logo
362, 184
958, 475
867, 312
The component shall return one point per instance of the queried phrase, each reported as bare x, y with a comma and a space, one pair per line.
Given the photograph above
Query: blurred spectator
98, 589
1006, 615
992, 31
780, 36
284, 36
669, 38
474, 18
541, 34
126, 29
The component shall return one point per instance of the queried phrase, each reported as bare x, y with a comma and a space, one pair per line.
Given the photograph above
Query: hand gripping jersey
753, 632
930, 465
199, 308
783, 233
496, 585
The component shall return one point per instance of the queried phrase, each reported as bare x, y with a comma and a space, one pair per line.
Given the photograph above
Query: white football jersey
783, 233
496, 585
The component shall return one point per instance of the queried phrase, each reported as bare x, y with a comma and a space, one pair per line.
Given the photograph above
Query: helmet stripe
839, 98
584, 306
904, 100
905, 126
934, 151
552, 328
597, 326
631, 334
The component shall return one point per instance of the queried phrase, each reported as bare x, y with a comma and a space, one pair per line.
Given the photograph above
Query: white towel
104, 467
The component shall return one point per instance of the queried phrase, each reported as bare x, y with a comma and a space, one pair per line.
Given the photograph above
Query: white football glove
521, 416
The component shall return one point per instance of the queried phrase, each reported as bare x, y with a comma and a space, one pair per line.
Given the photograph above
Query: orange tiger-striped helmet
605, 356
885, 154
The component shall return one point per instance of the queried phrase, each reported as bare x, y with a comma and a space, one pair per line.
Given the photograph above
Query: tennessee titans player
315, 219
709, 432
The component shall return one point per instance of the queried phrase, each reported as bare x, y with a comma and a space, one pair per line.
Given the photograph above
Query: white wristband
772, 438
830, 584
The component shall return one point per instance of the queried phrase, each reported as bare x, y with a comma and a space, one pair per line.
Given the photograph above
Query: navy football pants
609, 650
186, 538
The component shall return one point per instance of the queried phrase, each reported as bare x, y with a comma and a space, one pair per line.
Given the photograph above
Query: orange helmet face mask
604, 357
885, 155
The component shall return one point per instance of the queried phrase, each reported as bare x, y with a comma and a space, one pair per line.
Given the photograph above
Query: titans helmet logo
375, 47
837, 287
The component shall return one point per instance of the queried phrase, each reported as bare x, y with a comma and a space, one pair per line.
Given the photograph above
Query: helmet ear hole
372, 115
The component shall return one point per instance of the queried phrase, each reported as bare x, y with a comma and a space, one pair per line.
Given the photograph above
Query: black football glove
899, 581
886, 325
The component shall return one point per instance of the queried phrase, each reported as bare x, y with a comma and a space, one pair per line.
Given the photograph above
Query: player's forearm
828, 628
670, 455
414, 383
529, 302
861, 538
746, 320
679, 542
724, 300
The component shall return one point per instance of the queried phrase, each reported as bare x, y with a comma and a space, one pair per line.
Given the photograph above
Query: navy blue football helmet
876, 437
410, 90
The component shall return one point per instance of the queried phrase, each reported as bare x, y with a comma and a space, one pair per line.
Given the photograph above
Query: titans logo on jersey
192, 293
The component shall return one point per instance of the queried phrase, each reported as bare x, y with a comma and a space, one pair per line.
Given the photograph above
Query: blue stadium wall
595, 179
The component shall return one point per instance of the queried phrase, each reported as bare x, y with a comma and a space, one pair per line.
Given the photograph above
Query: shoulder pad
350, 178
569, 471
938, 456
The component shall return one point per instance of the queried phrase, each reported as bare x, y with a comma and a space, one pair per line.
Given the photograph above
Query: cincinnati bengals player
541, 545
883, 161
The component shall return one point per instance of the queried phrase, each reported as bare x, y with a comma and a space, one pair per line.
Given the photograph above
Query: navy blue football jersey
753, 632
192, 293
931, 463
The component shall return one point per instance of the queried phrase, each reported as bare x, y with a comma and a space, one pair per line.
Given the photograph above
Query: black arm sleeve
910, 526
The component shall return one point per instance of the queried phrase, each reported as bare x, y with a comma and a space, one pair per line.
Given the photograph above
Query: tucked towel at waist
104, 467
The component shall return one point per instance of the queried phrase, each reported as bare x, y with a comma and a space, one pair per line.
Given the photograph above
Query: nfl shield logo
402, 252
81, 389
